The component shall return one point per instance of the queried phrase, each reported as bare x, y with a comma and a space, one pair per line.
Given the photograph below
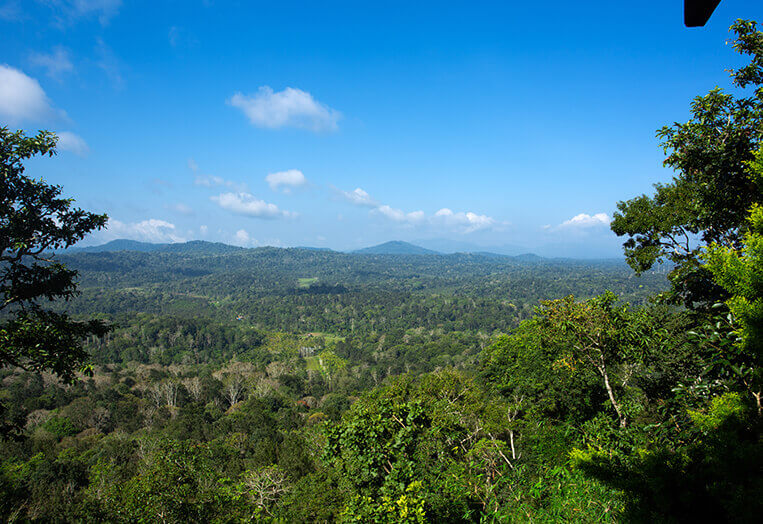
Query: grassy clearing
304, 283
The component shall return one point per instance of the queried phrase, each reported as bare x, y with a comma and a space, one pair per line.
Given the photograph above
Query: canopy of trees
298, 386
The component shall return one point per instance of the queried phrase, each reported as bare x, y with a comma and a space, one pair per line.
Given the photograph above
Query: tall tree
34, 220
708, 199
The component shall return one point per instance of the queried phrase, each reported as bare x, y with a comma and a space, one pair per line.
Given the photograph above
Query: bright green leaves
407, 508
740, 272
724, 410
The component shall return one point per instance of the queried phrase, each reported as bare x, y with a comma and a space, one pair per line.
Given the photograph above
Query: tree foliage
708, 199
740, 272
431, 393
35, 219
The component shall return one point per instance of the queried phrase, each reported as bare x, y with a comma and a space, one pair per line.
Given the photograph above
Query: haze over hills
568, 248
193, 246
445, 245
395, 247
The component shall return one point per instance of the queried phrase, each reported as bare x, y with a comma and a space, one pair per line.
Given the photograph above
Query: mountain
445, 245
569, 250
199, 247
395, 247
117, 245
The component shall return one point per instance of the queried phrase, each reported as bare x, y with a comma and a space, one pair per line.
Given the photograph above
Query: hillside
395, 247
194, 246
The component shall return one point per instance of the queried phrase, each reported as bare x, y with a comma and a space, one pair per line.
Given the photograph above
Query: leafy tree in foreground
741, 274
34, 219
709, 198
603, 335
696, 455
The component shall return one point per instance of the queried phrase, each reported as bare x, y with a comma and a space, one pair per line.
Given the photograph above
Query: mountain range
395, 247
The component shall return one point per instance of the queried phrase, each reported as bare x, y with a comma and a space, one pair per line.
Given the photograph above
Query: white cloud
216, 181
203, 230
465, 222
56, 64
462, 222
21, 97
211, 180
397, 215
358, 197
584, 220
247, 205
151, 230
286, 180
68, 141
288, 108
244, 239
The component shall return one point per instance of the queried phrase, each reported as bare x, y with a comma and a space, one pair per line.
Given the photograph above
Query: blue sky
346, 124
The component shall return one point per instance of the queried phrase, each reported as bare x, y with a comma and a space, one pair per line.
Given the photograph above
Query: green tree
708, 199
175, 482
431, 449
35, 219
603, 335
740, 272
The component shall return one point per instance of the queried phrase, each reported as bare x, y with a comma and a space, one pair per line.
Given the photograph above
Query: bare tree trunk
611, 393
234, 389
171, 393
193, 385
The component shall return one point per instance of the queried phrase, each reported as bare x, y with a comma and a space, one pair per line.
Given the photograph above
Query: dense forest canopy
295, 385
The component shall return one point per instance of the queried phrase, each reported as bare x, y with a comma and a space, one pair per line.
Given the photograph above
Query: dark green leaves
714, 186
35, 219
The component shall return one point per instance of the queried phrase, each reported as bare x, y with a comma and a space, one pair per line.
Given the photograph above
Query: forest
199, 382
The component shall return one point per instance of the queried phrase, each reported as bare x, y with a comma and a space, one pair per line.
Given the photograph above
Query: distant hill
525, 258
199, 247
445, 245
488, 254
310, 248
395, 247
529, 257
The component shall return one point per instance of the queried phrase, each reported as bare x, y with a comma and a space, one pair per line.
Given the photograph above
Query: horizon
360, 251
497, 127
